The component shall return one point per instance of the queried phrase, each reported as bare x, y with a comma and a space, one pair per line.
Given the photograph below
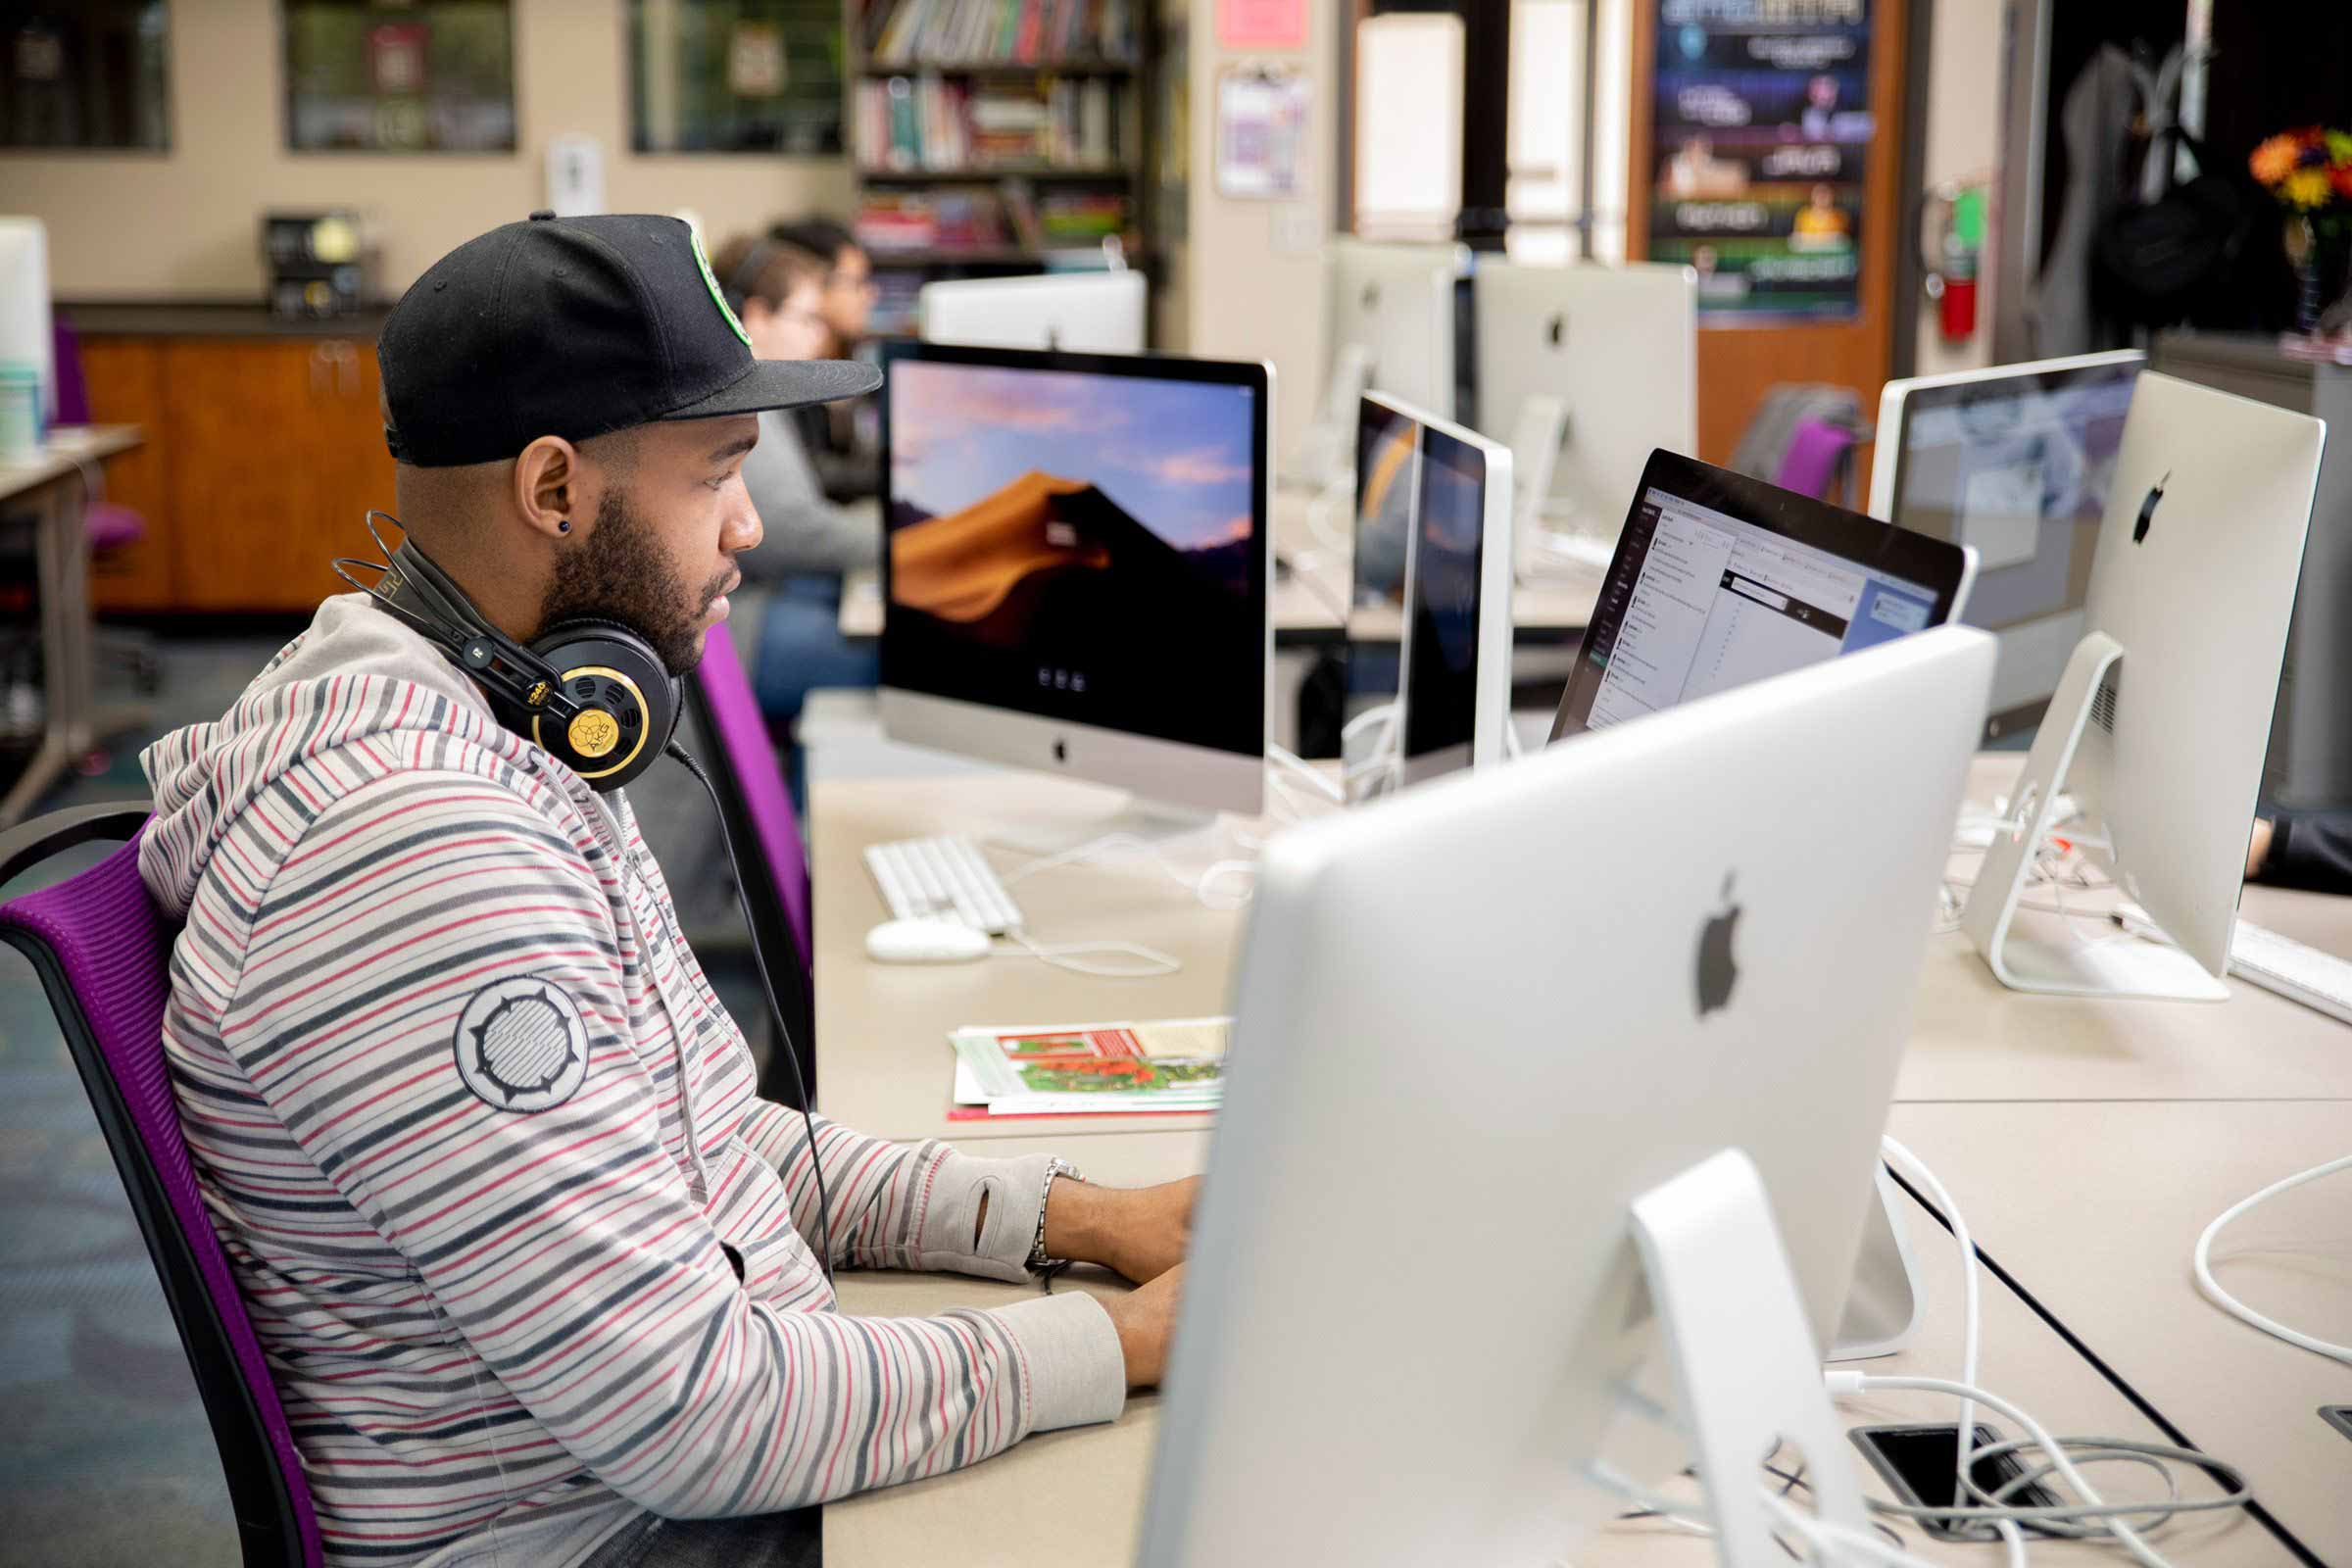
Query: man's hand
1139, 1232
1146, 1318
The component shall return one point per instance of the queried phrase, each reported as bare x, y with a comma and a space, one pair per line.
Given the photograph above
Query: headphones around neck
591, 693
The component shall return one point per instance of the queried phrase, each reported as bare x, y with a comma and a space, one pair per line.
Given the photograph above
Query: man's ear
550, 489
755, 313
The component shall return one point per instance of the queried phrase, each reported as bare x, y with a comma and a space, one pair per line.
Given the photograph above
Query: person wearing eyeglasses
846, 303
778, 291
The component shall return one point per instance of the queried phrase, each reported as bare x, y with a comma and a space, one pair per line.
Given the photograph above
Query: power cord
2212, 1289
2093, 1516
775, 1009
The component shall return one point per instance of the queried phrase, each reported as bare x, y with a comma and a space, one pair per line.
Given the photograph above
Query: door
1744, 145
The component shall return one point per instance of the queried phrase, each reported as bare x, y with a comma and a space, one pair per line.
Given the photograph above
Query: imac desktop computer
1394, 304
1655, 1113
2160, 718
1454, 694
1719, 580
2015, 462
1075, 567
1601, 364
1085, 312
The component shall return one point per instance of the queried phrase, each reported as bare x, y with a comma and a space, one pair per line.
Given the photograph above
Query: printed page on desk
1091, 1068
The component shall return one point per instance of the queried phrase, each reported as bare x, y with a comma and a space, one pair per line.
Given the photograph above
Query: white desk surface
2097, 1209
1074, 1497
1305, 600
68, 448
885, 1068
2083, 1138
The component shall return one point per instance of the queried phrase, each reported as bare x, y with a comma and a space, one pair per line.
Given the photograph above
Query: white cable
1070, 955
2111, 1515
1328, 787
2212, 1288
1970, 1332
2110, 1519
1198, 884
1381, 716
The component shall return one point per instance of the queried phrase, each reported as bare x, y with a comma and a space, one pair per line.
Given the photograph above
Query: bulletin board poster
1762, 124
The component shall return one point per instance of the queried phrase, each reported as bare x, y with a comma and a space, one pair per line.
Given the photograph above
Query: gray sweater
807, 534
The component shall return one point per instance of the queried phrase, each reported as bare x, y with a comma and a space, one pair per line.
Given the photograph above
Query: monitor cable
775, 1009
2211, 1287
2092, 1517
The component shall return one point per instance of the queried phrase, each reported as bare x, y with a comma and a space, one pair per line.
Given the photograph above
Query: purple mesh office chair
103, 955
1819, 453
768, 834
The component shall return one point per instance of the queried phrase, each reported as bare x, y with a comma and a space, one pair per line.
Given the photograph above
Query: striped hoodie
524, 1250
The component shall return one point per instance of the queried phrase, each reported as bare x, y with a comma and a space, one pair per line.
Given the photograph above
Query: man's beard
619, 574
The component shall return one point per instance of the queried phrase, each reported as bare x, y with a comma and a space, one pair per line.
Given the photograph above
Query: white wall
186, 224
1252, 271
1964, 115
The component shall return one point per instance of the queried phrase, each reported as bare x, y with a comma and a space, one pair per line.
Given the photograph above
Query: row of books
910, 123
1008, 216
957, 32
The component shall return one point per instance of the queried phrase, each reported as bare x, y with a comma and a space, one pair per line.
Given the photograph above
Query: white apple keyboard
943, 878
2319, 980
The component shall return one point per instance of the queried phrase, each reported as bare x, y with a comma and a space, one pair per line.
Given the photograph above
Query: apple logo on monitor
1718, 971
2147, 507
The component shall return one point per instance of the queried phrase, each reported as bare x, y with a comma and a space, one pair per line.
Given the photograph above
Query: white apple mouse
925, 942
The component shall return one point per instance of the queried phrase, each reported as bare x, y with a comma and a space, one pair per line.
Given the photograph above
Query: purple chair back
104, 957
742, 733
1815, 452
758, 808
72, 392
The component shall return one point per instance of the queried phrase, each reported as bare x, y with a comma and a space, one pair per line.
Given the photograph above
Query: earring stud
562, 526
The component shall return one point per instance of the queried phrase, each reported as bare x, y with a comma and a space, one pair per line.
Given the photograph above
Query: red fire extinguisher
1952, 279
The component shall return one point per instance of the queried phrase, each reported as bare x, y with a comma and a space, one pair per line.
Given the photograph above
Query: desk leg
62, 551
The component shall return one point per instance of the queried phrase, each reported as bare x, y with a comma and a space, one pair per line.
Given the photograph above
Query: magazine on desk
1091, 1070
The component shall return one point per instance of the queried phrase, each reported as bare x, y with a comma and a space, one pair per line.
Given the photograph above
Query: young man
531, 1264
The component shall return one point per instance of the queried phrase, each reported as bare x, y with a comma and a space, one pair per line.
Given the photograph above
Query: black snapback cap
576, 326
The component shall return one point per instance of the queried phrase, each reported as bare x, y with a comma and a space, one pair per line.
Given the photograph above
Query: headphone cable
775, 1010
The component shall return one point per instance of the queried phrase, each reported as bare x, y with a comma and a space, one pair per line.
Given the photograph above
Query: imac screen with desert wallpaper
1075, 565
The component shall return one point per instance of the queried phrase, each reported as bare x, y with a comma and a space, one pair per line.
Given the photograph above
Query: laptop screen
1720, 580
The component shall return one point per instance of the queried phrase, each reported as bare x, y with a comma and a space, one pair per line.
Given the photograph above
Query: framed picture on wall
423, 76
90, 74
735, 77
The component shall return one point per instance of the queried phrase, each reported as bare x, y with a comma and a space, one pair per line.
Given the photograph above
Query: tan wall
186, 224
1252, 271
1964, 121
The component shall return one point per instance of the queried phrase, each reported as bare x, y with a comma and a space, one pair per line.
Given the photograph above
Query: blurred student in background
846, 465
778, 291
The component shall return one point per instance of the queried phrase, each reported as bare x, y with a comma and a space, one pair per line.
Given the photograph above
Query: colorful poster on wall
1762, 123
1261, 131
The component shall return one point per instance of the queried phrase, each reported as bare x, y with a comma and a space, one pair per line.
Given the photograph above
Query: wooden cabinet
124, 378
263, 457
277, 450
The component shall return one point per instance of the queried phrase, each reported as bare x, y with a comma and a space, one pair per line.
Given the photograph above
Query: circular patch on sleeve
521, 1045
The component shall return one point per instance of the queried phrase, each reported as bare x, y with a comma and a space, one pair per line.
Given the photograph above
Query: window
86, 73
735, 77
430, 76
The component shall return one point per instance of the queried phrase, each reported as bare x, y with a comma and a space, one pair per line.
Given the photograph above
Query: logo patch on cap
718, 296
521, 1045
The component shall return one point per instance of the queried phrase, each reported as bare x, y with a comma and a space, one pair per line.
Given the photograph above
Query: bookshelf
996, 138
